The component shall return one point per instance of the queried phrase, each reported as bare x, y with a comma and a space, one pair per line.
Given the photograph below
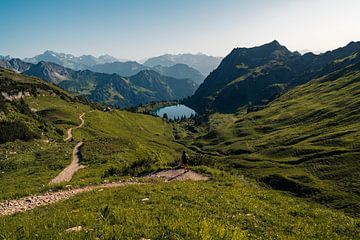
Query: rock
74, 229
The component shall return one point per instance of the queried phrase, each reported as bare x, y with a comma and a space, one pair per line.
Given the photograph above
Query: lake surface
175, 111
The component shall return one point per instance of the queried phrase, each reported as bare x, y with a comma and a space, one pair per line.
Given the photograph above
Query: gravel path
11, 207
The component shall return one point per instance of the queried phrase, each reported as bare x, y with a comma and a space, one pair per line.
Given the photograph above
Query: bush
10, 131
136, 168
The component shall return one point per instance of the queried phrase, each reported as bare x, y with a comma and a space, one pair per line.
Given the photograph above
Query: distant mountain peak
201, 62
71, 61
274, 43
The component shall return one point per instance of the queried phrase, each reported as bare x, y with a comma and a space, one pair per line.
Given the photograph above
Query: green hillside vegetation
226, 208
120, 145
32, 149
306, 142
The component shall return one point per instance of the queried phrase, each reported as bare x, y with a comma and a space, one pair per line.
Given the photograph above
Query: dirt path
178, 175
69, 131
66, 174
11, 207
69, 171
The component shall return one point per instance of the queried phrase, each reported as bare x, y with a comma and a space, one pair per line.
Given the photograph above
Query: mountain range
258, 75
204, 63
144, 87
110, 65
131, 68
200, 62
69, 60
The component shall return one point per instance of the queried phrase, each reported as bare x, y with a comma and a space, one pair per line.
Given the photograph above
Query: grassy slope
226, 207
27, 166
118, 139
306, 142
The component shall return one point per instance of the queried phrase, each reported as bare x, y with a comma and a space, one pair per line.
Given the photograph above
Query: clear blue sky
136, 29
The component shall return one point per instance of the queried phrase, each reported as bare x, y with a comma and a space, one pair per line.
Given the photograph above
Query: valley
284, 168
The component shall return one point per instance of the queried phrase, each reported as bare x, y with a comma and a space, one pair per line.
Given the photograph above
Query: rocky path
66, 174
11, 207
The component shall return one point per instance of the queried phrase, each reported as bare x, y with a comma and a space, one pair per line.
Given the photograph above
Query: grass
305, 143
307, 140
225, 208
28, 167
117, 139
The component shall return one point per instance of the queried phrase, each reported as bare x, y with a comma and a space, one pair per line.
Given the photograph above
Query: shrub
10, 131
136, 168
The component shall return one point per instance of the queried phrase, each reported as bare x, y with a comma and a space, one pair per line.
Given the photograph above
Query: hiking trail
66, 174
10, 207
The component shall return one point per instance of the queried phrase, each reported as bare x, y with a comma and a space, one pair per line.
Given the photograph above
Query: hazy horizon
141, 29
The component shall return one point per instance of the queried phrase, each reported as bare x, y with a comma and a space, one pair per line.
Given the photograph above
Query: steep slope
201, 62
17, 120
14, 64
256, 76
167, 88
306, 142
51, 72
246, 65
180, 71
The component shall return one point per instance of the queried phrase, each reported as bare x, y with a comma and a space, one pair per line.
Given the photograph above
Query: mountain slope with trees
114, 89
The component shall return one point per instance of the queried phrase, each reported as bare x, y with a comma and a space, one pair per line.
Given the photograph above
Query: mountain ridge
258, 75
113, 89
202, 62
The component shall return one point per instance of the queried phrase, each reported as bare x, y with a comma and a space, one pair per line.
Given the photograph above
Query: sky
136, 29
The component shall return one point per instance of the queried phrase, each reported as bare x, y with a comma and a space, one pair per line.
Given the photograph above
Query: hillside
257, 76
18, 120
167, 88
125, 69
113, 89
14, 64
306, 142
182, 71
119, 145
